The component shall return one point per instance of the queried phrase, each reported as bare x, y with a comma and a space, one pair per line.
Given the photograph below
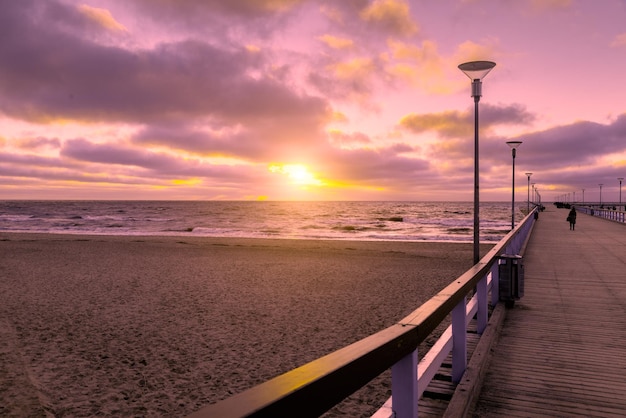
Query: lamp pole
538, 196
528, 193
601, 184
620, 189
513, 145
476, 71
583, 196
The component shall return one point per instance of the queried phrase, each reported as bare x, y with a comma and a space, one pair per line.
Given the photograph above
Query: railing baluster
404, 387
459, 341
495, 283
482, 316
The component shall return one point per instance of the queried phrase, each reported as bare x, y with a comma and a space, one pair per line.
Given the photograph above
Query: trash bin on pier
511, 278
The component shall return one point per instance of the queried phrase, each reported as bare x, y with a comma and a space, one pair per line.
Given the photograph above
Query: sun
297, 173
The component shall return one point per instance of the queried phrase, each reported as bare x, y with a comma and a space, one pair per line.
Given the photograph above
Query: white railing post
482, 315
459, 341
495, 282
404, 387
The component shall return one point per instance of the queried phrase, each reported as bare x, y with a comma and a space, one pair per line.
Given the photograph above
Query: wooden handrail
319, 385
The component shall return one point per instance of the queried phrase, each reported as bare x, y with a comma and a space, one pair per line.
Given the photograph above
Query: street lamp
513, 145
620, 189
583, 196
538, 196
528, 193
476, 71
601, 184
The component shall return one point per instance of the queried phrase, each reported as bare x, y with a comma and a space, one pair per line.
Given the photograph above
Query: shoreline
163, 325
181, 235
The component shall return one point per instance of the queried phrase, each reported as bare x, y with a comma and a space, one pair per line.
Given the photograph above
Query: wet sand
161, 326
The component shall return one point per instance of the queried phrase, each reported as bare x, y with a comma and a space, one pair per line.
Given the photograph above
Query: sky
310, 99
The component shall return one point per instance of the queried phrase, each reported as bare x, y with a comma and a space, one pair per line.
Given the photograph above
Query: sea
339, 220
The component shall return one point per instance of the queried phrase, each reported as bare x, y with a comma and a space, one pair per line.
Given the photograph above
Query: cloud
130, 161
419, 65
344, 80
336, 42
381, 168
216, 91
273, 139
85, 151
341, 139
39, 142
543, 5
181, 8
227, 21
576, 144
456, 124
390, 15
619, 41
52, 75
472, 51
422, 65
102, 17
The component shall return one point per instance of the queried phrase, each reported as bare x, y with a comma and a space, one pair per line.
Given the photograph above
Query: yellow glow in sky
187, 182
297, 173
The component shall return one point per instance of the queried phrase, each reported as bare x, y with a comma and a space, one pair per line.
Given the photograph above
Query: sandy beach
161, 326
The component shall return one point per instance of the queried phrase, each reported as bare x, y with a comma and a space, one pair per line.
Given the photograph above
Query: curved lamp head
514, 144
528, 174
476, 70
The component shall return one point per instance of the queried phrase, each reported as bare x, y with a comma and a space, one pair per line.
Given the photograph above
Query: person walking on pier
571, 218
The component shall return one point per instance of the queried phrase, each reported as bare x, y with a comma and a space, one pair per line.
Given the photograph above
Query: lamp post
513, 145
476, 71
583, 196
620, 189
528, 193
537, 196
601, 184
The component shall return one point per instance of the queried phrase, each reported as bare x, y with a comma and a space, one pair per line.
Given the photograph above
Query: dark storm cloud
49, 73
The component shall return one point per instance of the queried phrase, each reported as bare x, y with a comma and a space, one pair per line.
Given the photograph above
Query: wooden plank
561, 351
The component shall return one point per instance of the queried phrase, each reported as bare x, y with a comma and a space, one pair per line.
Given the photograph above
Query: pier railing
314, 388
610, 214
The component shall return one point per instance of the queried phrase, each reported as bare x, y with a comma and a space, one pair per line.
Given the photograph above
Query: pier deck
562, 349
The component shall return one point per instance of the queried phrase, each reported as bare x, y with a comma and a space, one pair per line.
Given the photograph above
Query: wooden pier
562, 348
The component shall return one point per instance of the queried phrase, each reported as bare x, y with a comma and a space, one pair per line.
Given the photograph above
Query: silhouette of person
571, 218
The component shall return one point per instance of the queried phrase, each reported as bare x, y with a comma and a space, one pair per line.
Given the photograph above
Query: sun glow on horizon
297, 173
